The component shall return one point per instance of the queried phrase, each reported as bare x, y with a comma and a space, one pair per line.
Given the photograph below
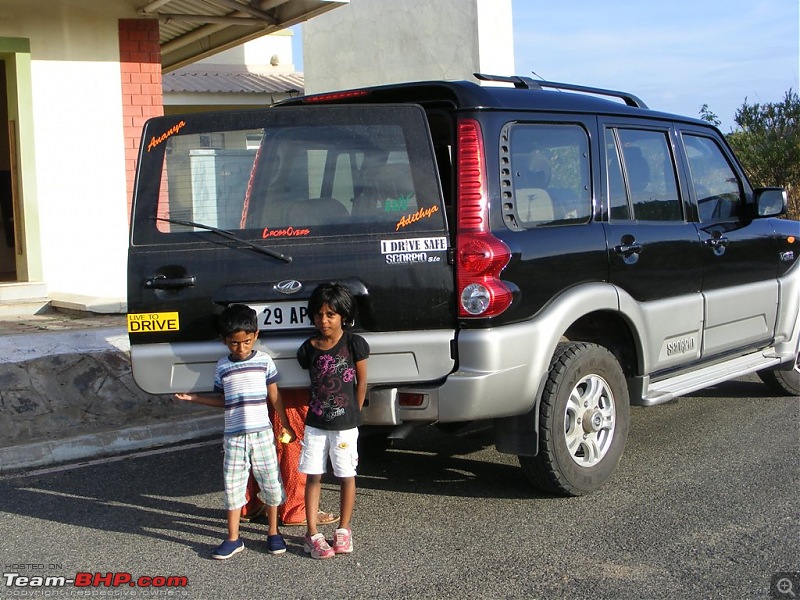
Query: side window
717, 189
548, 176
649, 176
316, 167
618, 208
343, 186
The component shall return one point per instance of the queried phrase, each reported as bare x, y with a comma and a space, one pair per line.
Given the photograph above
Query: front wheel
782, 381
583, 421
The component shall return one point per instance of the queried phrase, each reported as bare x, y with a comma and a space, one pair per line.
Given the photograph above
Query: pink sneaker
343, 541
317, 546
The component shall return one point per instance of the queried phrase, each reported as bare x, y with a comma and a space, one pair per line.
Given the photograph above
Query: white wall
372, 42
257, 53
80, 166
78, 137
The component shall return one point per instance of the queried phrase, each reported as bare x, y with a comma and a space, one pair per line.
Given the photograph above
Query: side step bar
664, 390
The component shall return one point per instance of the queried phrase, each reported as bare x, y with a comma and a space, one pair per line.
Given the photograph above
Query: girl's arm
361, 382
216, 400
275, 399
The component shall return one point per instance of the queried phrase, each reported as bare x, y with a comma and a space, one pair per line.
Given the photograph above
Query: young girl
337, 364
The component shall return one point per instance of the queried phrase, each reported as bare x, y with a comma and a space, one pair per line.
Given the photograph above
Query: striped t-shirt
244, 383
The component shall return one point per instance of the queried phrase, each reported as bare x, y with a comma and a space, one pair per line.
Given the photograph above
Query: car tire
583, 421
783, 381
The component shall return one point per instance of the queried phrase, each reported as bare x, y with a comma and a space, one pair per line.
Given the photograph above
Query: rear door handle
716, 242
162, 282
628, 249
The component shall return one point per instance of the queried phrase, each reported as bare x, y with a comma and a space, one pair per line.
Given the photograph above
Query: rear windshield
287, 172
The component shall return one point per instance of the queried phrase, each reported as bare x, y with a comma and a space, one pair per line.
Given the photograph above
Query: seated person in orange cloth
293, 511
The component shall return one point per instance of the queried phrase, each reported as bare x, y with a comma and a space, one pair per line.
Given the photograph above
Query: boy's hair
237, 317
335, 295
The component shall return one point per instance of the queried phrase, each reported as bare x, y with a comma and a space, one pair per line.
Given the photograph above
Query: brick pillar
142, 95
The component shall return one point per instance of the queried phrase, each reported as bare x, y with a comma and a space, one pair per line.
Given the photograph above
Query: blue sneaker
227, 549
275, 544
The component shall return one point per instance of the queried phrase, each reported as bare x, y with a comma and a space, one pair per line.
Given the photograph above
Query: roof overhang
193, 29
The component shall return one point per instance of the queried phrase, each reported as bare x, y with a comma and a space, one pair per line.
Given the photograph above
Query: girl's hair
237, 317
335, 295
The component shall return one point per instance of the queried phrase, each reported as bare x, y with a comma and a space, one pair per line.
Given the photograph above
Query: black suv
532, 253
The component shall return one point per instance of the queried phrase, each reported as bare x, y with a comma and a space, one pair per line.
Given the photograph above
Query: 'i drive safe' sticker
413, 250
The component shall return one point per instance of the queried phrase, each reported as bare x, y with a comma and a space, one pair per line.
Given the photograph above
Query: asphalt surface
705, 504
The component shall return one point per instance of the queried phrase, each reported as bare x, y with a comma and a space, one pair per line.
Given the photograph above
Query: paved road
705, 504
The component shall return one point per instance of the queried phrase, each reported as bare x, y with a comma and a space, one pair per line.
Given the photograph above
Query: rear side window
548, 180
642, 183
288, 172
716, 187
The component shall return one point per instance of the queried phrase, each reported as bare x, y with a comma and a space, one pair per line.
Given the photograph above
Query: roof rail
529, 84
521, 83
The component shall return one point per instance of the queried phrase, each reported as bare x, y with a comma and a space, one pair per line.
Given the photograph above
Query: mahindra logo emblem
289, 286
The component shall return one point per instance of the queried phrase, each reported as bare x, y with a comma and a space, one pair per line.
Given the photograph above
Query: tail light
411, 400
480, 257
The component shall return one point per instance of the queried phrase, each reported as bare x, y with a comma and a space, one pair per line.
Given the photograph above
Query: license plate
282, 315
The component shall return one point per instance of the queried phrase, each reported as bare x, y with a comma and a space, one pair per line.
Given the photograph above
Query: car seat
533, 202
316, 211
385, 191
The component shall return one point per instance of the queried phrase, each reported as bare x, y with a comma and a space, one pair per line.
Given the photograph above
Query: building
257, 73
369, 42
80, 77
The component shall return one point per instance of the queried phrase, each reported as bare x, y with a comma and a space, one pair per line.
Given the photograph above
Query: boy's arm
274, 395
216, 400
361, 382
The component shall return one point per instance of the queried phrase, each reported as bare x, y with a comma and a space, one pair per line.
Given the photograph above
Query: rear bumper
396, 358
499, 375
501, 370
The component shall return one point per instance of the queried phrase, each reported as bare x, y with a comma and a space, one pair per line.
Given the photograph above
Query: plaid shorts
251, 451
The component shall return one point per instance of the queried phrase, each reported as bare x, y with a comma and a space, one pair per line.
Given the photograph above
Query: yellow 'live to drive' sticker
153, 322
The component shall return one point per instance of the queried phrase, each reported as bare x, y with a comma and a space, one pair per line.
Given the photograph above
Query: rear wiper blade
227, 234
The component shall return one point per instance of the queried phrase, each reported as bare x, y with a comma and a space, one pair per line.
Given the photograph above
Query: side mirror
770, 202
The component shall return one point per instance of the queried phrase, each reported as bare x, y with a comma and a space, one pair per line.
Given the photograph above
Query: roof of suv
526, 94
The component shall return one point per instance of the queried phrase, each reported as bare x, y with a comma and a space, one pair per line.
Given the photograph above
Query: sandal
254, 515
323, 518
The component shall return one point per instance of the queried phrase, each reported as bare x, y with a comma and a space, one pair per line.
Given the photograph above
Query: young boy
243, 381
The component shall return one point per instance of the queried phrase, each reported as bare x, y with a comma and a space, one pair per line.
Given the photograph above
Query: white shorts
340, 446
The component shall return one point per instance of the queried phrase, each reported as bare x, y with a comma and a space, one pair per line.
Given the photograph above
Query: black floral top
333, 403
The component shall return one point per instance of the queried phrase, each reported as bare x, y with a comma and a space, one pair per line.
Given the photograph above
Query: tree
767, 143
708, 116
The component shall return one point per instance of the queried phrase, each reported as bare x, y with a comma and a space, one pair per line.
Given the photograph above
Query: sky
675, 55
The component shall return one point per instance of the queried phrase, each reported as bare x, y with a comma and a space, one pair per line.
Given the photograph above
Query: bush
767, 143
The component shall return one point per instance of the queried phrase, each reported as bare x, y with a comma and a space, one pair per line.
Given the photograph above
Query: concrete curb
107, 443
20, 347
68, 385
